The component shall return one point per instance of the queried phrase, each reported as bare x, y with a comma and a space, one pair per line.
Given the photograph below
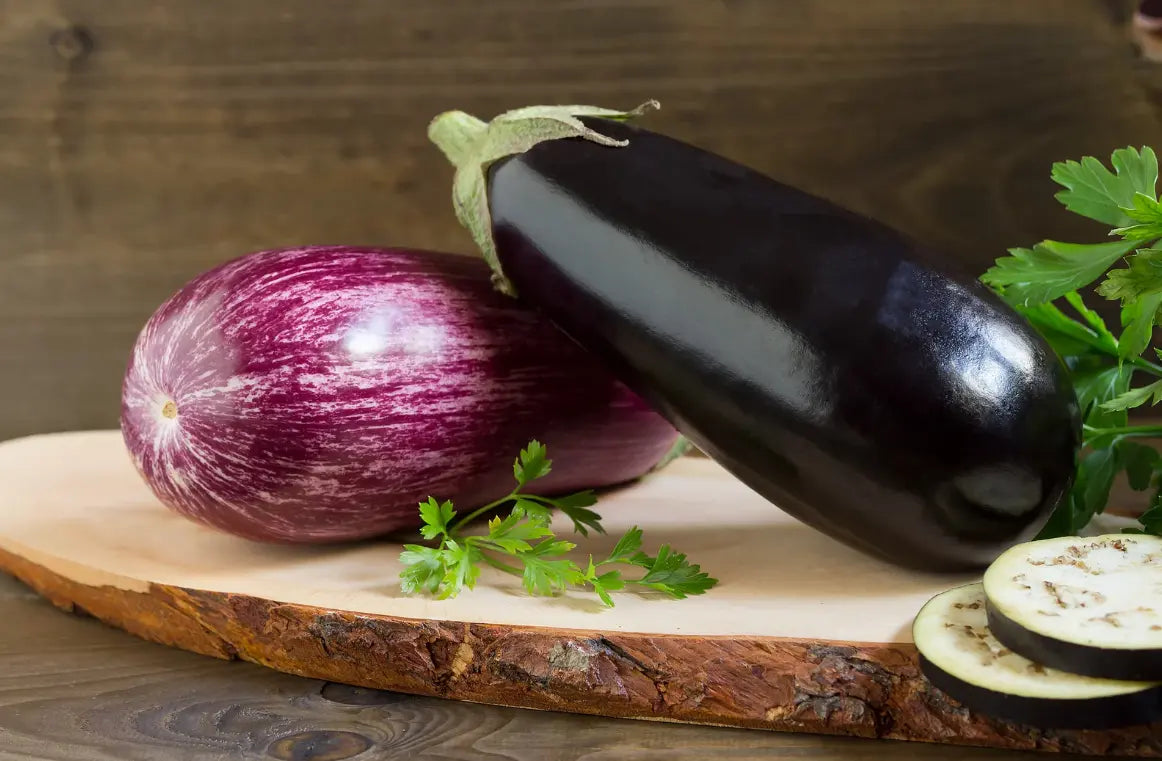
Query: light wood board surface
803, 634
74, 504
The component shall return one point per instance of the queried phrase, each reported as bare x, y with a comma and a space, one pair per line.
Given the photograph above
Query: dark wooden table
142, 143
72, 689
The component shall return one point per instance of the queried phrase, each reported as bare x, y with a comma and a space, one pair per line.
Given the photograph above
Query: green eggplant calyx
472, 145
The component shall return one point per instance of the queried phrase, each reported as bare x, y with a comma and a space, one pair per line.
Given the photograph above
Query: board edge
772, 683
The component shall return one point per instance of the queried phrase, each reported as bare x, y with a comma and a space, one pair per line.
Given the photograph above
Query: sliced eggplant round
959, 655
1089, 605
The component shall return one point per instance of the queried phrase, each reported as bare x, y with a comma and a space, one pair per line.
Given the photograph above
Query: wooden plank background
141, 143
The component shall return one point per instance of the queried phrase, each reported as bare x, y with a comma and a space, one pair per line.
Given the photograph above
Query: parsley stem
534, 498
1147, 366
1140, 363
501, 566
1125, 430
481, 510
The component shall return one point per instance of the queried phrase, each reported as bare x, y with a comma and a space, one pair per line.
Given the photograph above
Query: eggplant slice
1089, 605
959, 655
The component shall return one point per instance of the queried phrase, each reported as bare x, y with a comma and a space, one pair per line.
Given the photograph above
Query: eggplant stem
457, 134
473, 145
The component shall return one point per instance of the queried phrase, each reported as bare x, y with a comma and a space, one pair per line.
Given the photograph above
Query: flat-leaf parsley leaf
522, 543
1107, 370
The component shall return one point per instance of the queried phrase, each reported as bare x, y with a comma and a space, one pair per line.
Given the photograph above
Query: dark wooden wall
142, 142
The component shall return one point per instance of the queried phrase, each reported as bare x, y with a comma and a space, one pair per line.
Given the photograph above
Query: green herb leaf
1095, 192
1098, 386
436, 517
1151, 520
1147, 212
671, 574
583, 520
1146, 209
1052, 269
1097, 438
586, 498
1060, 523
1092, 319
534, 511
1097, 472
576, 507
603, 583
1102, 366
545, 572
1138, 318
423, 569
1135, 397
627, 546
532, 464
1140, 462
513, 534
550, 548
1067, 336
1090, 493
461, 569
526, 535
1142, 277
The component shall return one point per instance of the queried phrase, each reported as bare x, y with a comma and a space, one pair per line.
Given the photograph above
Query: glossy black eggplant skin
837, 368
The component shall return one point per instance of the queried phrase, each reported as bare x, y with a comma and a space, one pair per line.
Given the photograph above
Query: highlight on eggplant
319, 394
843, 371
962, 657
1088, 605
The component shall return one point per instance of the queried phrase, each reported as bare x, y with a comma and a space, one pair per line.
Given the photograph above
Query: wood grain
74, 690
139, 146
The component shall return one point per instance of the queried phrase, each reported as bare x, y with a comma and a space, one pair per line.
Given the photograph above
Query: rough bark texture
857, 689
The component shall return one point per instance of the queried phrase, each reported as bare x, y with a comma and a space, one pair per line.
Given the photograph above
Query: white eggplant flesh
1089, 605
960, 656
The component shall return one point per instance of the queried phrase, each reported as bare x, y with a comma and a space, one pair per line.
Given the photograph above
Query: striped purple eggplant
317, 394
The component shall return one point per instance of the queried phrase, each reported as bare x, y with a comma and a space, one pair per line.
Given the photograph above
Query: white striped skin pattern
317, 394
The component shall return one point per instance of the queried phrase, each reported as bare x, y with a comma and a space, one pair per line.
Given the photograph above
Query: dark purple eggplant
845, 372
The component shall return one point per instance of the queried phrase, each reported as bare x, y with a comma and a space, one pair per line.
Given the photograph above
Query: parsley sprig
1109, 372
524, 537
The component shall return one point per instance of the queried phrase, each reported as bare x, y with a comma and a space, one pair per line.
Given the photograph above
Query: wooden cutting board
802, 633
